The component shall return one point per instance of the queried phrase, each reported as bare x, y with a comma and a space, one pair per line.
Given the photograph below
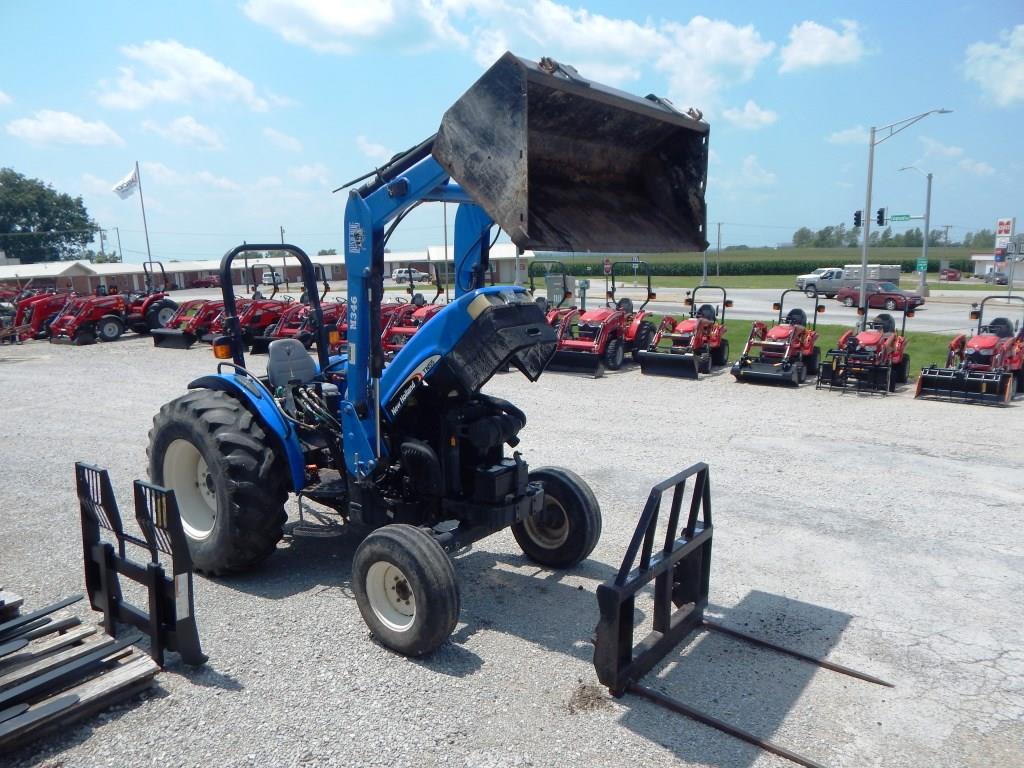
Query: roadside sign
607, 266
900, 217
636, 258
922, 264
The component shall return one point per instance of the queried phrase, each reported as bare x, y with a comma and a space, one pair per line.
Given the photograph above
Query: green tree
886, 239
327, 252
824, 237
983, 238
803, 238
37, 223
936, 237
852, 237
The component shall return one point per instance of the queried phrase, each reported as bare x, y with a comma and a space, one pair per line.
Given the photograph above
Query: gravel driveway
882, 532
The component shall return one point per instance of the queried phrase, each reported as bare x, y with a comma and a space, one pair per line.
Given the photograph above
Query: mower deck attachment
774, 373
988, 387
170, 621
676, 364
680, 570
171, 338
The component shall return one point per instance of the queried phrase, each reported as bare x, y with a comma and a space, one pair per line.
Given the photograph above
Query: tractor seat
707, 312
542, 303
1001, 327
885, 323
796, 317
289, 361
625, 304
418, 300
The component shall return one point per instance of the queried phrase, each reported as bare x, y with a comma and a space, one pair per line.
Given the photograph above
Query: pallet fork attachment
680, 570
170, 620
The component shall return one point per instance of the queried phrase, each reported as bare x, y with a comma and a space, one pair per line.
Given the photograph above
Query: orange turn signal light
820, 309
776, 306
334, 337
222, 347
728, 302
688, 301
975, 314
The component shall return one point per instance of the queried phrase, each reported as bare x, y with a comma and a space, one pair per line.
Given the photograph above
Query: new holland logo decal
409, 385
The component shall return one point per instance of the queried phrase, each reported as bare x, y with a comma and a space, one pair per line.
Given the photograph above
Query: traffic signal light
857, 218
880, 217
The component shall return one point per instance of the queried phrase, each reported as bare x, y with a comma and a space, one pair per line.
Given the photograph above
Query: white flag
126, 186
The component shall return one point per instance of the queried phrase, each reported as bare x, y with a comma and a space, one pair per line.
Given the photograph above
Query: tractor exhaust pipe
565, 164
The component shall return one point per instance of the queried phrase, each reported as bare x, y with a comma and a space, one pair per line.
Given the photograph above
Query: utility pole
946, 236
102, 252
120, 253
284, 264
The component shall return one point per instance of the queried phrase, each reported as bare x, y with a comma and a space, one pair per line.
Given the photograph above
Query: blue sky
244, 115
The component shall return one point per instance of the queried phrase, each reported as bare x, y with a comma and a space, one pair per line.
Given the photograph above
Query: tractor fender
260, 404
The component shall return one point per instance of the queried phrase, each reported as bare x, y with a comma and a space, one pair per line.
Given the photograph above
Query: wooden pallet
48, 647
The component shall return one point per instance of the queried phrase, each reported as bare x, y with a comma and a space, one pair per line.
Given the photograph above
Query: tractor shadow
730, 679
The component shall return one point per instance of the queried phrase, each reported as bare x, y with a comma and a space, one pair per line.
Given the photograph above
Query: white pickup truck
827, 281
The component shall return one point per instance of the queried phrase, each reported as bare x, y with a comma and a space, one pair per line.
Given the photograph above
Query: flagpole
145, 227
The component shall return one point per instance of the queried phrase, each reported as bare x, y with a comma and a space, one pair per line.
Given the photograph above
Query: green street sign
922, 265
900, 217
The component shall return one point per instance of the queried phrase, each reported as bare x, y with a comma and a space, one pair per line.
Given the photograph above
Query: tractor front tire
566, 530
901, 373
813, 361
720, 354
229, 482
405, 589
614, 354
109, 328
644, 336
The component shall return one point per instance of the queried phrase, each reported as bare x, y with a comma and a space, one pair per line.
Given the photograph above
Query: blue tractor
413, 454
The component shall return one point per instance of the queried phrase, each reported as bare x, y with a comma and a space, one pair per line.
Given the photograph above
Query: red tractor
35, 313
686, 348
870, 358
785, 352
987, 367
84, 319
256, 316
295, 320
193, 319
601, 338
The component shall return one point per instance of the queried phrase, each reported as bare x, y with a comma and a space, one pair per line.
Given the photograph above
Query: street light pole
893, 129
922, 286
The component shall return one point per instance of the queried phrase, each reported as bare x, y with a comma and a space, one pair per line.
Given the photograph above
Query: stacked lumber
54, 670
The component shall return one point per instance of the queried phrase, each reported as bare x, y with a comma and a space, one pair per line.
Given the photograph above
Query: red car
880, 296
213, 281
949, 274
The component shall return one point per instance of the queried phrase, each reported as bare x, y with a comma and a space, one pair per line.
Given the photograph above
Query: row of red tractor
987, 366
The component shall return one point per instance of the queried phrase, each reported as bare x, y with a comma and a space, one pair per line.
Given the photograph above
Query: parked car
997, 278
213, 281
949, 274
406, 274
880, 296
271, 277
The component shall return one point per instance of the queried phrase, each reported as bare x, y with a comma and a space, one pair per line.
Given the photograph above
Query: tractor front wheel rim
390, 596
550, 528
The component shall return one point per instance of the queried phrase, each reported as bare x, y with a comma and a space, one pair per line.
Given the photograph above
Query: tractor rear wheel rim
187, 474
164, 316
390, 596
541, 529
109, 329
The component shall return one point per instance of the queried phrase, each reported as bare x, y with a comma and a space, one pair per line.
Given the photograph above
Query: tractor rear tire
614, 354
405, 588
160, 313
109, 328
566, 531
229, 482
720, 355
644, 336
704, 362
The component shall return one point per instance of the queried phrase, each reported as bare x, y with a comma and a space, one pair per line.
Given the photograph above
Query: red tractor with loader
691, 346
405, 325
987, 367
258, 315
783, 352
35, 313
192, 321
294, 321
84, 319
599, 339
873, 357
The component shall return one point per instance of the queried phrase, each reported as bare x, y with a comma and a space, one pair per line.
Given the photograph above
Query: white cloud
177, 74
282, 140
999, 69
186, 131
50, 127
5, 99
160, 173
855, 135
703, 56
977, 167
306, 174
813, 45
207, 179
376, 152
754, 175
751, 116
933, 147
490, 44
326, 26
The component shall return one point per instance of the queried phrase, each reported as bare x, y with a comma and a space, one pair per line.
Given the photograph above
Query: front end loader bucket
172, 338
577, 362
992, 387
261, 345
565, 164
767, 373
680, 366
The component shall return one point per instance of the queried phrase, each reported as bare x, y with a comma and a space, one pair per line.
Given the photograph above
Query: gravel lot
881, 532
